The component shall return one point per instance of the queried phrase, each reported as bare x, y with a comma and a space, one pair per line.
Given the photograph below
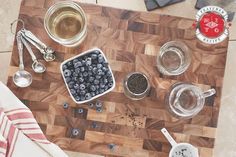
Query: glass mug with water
186, 100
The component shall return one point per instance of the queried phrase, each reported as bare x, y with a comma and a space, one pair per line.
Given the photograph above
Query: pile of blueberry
88, 75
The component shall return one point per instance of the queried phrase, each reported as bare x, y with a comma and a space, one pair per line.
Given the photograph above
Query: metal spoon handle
20, 50
29, 49
33, 43
30, 35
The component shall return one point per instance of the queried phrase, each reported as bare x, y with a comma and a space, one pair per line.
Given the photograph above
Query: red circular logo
212, 25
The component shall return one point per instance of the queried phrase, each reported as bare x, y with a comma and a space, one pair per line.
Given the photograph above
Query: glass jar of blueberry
87, 76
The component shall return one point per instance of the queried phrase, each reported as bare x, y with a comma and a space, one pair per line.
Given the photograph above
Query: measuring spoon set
24, 38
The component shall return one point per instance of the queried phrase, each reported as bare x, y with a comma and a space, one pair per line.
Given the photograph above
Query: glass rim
182, 68
58, 5
126, 83
186, 113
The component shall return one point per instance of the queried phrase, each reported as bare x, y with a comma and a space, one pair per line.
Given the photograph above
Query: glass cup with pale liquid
185, 100
66, 23
174, 58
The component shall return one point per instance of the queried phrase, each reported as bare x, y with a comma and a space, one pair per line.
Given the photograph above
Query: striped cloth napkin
20, 134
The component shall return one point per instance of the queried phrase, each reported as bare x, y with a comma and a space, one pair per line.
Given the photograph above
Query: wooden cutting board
131, 41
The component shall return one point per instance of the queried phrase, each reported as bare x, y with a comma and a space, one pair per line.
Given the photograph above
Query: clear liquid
66, 23
172, 59
187, 100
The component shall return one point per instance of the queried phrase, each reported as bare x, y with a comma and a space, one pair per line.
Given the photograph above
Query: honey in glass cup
66, 23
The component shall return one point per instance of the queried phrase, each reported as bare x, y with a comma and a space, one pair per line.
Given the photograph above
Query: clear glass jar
140, 90
66, 23
185, 100
174, 58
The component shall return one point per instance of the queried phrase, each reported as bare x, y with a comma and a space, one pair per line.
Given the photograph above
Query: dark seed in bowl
137, 83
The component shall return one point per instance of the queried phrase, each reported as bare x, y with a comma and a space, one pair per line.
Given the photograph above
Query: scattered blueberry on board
88, 75
75, 132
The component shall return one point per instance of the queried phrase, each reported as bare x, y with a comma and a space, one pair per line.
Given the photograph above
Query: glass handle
209, 93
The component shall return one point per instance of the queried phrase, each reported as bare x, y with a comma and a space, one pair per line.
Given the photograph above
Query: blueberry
96, 52
88, 84
88, 96
100, 72
75, 132
96, 81
82, 69
93, 88
82, 87
90, 68
97, 92
75, 74
75, 79
64, 67
71, 84
69, 63
76, 86
108, 73
75, 60
67, 73
85, 74
98, 77
111, 146
68, 79
99, 109
90, 73
77, 70
100, 59
83, 62
106, 88
91, 79
104, 69
102, 91
110, 84
65, 105
97, 86
81, 79
93, 94
91, 105
77, 64
88, 62
98, 104
95, 70
102, 85
82, 98
94, 56
105, 81
77, 98
82, 92
110, 79
105, 64
80, 110
99, 66
73, 91
94, 125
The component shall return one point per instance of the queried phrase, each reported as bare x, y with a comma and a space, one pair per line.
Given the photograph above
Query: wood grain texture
131, 41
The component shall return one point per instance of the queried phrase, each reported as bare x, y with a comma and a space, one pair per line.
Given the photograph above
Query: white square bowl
78, 56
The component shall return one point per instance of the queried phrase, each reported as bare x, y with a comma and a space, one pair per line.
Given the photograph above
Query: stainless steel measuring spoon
48, 52
21, 78
37, 66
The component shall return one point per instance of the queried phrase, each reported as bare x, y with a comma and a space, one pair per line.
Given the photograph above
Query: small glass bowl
54, 11
132, 95
174, 58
